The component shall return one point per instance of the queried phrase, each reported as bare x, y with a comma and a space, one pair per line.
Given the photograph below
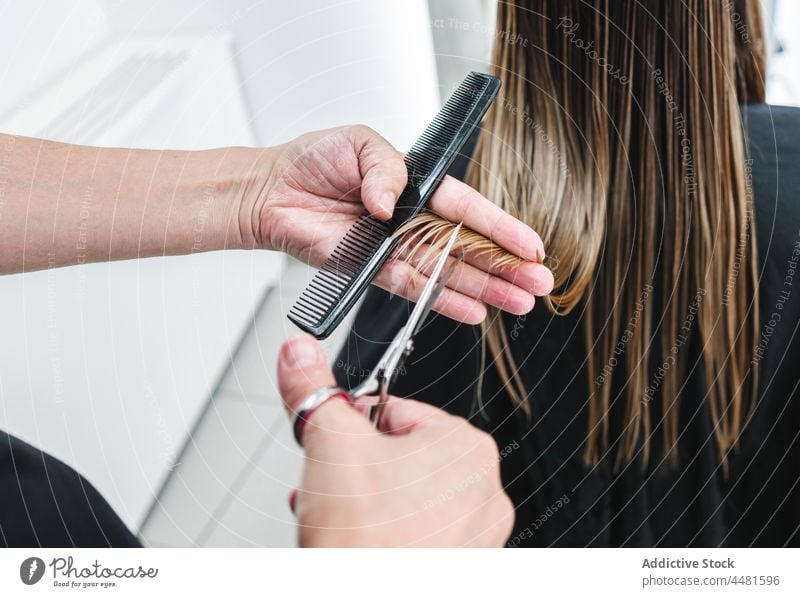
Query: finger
383, 172
402, 416
530, 276
400, 278
458, 202
293, 501
481, 286
302, 370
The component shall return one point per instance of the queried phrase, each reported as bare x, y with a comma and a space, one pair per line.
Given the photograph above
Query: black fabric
45, 503
559, 500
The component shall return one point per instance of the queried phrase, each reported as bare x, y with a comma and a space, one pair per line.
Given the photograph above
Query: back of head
618, 138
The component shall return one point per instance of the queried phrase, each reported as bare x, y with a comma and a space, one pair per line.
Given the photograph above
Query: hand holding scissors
385, 372
363, 486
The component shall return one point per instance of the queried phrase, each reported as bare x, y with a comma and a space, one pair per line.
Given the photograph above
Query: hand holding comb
365, 248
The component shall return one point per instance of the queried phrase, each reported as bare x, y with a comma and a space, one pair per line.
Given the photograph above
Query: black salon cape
45, 503
562, 502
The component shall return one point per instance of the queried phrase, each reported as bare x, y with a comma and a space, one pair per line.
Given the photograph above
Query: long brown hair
618, 138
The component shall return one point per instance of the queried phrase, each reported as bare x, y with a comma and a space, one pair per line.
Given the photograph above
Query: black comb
368, 244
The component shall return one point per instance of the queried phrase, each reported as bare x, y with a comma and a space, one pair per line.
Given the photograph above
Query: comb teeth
344, 277
426, 152
347, 261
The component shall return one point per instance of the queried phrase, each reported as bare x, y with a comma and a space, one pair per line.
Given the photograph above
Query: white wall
304, 64
783, 86
40, 38
117, 391
313, 63
107, 366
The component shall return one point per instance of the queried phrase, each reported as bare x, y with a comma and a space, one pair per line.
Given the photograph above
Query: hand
320, 183
430, 479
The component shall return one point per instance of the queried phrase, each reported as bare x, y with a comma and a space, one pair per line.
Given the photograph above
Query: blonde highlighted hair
617, 136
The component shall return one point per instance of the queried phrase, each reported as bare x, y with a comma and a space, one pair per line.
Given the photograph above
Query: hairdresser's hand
321, 182
429, 479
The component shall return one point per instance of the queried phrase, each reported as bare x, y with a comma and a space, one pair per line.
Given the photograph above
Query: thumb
302, 370
383, 172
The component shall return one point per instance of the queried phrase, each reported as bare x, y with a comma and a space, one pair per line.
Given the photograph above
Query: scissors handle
377, 384
376, 410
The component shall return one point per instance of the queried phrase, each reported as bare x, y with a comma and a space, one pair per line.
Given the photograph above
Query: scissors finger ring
311, 404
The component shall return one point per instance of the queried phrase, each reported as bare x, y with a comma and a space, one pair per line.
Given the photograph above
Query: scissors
385, 372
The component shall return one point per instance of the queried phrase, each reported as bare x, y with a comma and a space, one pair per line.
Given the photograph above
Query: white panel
259, 515
783, 82
40, 39
316, 64
220, 453
108, 366
252, 373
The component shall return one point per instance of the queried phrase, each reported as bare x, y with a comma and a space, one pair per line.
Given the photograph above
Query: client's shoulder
773, 147
772, 131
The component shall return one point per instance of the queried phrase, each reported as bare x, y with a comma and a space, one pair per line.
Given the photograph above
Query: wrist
230, 206
256, 176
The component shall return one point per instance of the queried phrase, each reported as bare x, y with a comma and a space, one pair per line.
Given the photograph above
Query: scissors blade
401, 346
436, 284
441, 284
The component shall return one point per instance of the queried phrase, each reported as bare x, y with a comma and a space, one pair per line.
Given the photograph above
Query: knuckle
372, 144
505, 517
362, 130
486, 444
480, 444
506, 506
461, 206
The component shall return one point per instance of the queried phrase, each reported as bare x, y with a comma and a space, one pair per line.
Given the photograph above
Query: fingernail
542, 285
387, 202
293, 501
302, 353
